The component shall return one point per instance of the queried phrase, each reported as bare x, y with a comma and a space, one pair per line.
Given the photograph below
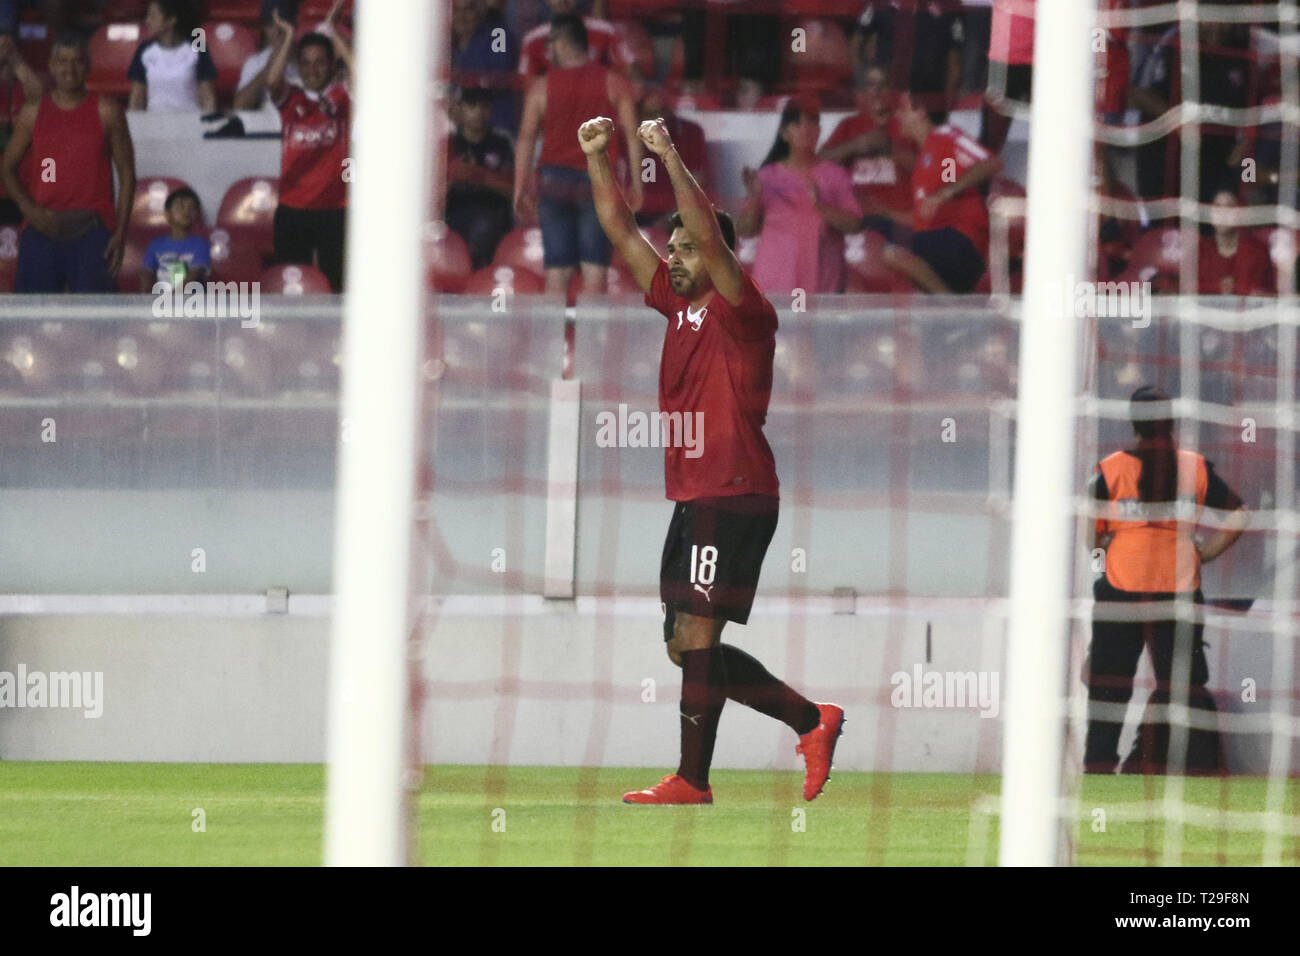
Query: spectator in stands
1116, 233
167, 74
931, 44
316, 123
19, 85
251, 93
480, 47
879, 157
1231, 260
604, 45
950, 223
572, 91
74, 234
800, 207
480, 178
180, 256
1226, 72
688, 139
1011, 70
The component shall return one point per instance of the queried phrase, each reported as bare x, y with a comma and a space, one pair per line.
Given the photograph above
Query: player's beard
683, 285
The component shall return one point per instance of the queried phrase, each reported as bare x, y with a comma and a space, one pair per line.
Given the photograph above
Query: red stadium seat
867, 272
239, 11
521, 249
248, 208
448, 258
295, 279
148, 210
8, 257
490, 278
250, 203
229, 45
124, 10
639, 8
35, 40
822, 8
112, 47
237, 255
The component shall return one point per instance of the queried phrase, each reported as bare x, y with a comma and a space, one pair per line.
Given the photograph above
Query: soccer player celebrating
717, 366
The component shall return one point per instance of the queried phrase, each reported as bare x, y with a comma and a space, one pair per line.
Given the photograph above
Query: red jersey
315, 130
1011, 36
717, 365
603, 46
947, 155
573, 96
75, 145
876, 179
1248, 272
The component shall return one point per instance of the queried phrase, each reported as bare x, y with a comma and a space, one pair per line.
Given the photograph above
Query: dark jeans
59, 265
300, 234
1113, 659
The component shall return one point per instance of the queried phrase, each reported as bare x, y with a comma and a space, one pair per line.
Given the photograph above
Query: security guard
1150, 558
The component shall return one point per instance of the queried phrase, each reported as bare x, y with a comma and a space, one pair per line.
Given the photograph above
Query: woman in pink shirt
800, 207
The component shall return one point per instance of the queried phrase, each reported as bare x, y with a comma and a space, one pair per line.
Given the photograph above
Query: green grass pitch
99, 814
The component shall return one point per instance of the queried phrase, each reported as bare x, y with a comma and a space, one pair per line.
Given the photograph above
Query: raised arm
697, 214
275, 84
611, 208
341, 48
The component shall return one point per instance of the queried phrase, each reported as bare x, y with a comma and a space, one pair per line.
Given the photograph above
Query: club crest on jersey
695, 318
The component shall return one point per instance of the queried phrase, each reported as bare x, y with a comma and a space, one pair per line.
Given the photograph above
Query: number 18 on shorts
713, 554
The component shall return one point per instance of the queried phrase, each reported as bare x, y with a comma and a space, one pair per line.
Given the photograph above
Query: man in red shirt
950, 223
561, 196
715, 379
316, 122
688, 137
603, 43
75, 232
1232, 261
19, 85
871, 145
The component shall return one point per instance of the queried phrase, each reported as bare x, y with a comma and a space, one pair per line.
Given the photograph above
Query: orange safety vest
1146, 554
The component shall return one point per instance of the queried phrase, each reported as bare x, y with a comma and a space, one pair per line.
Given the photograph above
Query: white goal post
1060, 165
396, 62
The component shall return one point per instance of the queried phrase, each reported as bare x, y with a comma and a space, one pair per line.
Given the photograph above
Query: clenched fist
593, 135
655, 136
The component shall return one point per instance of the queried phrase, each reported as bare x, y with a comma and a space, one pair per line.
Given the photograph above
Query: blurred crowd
914, 187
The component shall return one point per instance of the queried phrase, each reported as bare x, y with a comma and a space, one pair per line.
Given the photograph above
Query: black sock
703, 696
750, 683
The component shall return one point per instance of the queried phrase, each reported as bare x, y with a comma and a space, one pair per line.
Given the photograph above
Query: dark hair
317, 39
795, 110
571, 27
471, 95
72, 37
288, 10
724, 223
183, 193
184, 13
1158, 478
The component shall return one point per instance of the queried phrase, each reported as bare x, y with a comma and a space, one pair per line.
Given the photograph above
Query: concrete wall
523, 681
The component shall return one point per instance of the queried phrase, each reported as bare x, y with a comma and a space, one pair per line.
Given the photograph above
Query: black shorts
951, 255
712, 556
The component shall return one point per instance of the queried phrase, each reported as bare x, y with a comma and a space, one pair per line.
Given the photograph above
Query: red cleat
818, 747
671, 789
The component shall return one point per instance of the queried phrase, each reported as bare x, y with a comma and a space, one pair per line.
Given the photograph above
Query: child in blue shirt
182, 248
